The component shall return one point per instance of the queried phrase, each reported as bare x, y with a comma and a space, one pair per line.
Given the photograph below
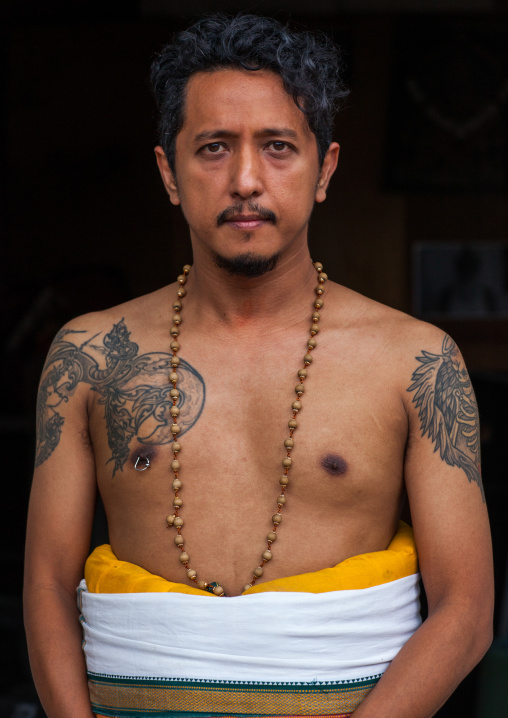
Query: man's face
247, 170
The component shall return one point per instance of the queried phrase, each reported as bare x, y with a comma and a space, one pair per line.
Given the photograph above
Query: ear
167, 175
327, 170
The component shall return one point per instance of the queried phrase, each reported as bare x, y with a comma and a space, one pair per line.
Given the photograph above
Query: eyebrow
267, 132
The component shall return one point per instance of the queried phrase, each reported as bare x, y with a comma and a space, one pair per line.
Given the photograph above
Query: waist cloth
307, 645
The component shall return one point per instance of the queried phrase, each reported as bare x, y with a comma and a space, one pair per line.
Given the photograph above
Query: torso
346, 481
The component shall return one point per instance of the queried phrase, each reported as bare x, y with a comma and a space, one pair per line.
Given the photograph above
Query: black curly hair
309, 65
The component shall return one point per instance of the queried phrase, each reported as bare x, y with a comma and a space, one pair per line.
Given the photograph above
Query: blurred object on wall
448, 116
460, 280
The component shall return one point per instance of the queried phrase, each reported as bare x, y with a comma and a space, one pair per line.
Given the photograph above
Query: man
302, 412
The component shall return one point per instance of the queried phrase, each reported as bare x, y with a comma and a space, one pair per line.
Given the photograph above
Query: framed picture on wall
460, 280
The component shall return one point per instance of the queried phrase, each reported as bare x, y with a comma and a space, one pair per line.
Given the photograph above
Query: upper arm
62, 500
443, 476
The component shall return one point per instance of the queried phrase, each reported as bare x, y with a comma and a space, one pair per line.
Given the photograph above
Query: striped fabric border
119, 697
200, 715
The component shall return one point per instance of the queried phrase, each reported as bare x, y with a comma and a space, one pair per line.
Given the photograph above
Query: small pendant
210, 587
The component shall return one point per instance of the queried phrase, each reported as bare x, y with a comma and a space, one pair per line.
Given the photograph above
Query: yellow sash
104, 573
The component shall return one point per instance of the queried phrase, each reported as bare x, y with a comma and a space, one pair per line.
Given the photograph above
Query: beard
247, 265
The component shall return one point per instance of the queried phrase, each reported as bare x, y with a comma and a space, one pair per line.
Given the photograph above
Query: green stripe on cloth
118, 697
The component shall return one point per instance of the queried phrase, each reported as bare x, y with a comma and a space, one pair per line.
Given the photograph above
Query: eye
279, 146
213, 148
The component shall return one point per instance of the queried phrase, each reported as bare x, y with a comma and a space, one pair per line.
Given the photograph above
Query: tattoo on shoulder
444, 397
133, 388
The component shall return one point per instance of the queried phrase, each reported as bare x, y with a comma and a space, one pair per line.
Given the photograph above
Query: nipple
334, 465
142, 463
142, 457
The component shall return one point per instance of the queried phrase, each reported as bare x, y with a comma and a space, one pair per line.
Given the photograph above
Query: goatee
247, 265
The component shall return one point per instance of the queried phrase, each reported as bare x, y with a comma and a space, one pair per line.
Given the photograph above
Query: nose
246, 174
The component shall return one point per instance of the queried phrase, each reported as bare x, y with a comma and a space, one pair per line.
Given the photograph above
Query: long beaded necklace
175, 519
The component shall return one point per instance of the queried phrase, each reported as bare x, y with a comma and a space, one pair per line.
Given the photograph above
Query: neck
282, 295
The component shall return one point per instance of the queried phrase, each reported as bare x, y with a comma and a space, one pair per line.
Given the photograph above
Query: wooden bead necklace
175, 519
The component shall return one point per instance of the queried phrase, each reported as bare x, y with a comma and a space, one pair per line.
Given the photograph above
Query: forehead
234, 100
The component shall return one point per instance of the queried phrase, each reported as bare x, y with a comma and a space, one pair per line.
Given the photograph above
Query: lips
249, 221
236, 217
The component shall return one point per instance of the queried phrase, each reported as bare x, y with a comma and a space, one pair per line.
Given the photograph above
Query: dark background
86, 224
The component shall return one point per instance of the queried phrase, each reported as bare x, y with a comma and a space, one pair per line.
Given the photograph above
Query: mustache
253, 208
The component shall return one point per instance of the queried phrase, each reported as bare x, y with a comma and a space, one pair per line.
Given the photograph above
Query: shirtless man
388, 409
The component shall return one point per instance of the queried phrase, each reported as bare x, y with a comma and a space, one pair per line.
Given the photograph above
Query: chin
247, 264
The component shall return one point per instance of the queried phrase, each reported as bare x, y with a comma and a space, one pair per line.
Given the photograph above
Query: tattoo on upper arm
134, 390
444, 397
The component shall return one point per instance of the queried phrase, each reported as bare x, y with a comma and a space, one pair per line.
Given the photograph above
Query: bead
286, 462
176, 447
177, 501
247, 586
293, 424
272, 536
302, 373
314, 329
174, 393
181, 279
177, 484
319, 290
289, 443
174, 331
316, 316
319, 303
318, 266
281, 500
311, 343
322, 277
175, 429
177, 305
284, 480
191, 573
202, 585
174, 411
175, 465
179, 540
170, 519
307, 359
218, 591
258, 572
299, 388
296, 405
186, 268
173, 377
182, 292
178, 522
276, 518
175, 361
177, 319
184, 557
175, 346
267, 555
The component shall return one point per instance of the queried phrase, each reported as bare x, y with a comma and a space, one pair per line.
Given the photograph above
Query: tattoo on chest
444, 397
133, 389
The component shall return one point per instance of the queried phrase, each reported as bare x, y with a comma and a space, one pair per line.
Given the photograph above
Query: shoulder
401, 334
128, 317
397, 343
94, 346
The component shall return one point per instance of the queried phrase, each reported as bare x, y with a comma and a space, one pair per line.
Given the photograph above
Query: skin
362, 440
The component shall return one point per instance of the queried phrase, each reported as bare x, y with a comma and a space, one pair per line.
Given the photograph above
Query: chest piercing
145, 465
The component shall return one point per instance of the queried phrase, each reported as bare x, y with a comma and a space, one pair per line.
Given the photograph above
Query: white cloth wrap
274, 637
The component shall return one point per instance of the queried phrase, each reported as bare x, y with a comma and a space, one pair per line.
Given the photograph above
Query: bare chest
346, 462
